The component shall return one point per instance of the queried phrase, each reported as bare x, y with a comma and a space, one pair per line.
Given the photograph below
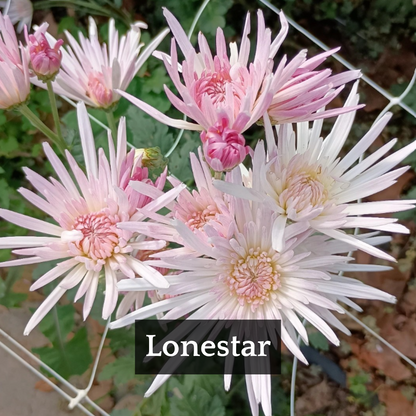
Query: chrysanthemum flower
87, 213
225, 95
305, 181
19, 11
197, 208
220, 88
91, 72
244, 277
45, 61
14, 71
134, 300
308, 90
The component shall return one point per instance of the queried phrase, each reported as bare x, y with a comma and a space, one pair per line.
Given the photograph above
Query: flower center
306, 189
300, 186
253, 278
196, 209
197, 219
98, 90
101, 237
212, 84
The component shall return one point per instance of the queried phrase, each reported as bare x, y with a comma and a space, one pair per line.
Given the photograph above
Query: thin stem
381, 339
97, 358
218, 175
293, 379
42, 127
55, 114
197, 17
112, 124
58, 331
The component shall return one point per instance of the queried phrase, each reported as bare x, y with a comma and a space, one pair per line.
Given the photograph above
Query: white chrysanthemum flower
246, 278
304, 180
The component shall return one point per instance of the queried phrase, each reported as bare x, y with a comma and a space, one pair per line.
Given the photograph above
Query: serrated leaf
72, 358
122, 370
179, 162
190, 399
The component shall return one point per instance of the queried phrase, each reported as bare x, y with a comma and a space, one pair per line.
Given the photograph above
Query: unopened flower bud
223, 147
151, 158
99, 90
45, 61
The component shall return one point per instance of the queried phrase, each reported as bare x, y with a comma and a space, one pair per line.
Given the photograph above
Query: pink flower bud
99, 91
45, 61
223, 147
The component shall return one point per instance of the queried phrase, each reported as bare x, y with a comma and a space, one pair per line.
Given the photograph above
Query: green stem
55, 114
59, 333
218, 175
36, 122
112, 124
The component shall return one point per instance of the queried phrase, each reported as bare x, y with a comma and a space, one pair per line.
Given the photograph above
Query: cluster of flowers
261, 243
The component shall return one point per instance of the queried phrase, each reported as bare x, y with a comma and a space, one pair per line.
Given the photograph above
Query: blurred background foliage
377, 36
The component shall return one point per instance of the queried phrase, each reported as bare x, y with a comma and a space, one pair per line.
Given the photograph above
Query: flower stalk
112, 124
55, 113
42, 127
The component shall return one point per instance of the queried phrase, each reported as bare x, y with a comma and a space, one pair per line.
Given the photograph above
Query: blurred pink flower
19, 11
88, 212
44, 60
14, 69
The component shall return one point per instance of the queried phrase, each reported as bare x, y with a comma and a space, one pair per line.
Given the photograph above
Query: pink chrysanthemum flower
302, 96
14, 70
134, 300
305, 181
91, 72
19, 11
45, 61
244, 277
197, 208
225, 95
87, 213
219, 87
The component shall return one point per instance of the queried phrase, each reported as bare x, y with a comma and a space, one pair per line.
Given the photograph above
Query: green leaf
318, 341
121, 412
7, 145
65, 319
73, 358
121, 338
156, 80
9, 298
122, 370
13, 300
192, 400
2, 288
179, 163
